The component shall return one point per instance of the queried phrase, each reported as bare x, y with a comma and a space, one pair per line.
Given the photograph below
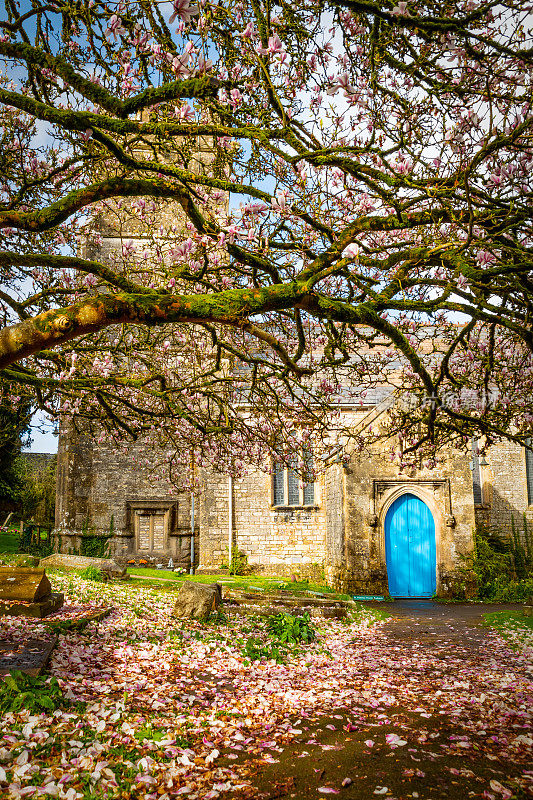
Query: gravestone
197, 600
254, 603
27, 592
29, 656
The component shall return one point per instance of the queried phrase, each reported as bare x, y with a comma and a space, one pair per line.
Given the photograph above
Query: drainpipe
191, 571
230, 520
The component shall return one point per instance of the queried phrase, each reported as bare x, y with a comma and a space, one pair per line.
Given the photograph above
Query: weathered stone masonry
341, 535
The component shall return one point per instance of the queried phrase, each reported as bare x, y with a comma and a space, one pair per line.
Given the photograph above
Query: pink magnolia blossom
484, 257
400, 10
274, 46
115, 27
351, 251
183, 10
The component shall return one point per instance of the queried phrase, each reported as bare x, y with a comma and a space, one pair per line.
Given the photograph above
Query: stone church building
362, 525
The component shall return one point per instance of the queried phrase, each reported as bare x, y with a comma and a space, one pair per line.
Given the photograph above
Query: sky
43, 438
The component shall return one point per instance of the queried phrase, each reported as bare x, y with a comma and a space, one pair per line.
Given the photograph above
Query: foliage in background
503, 566
15, 413
35, 542
38, 491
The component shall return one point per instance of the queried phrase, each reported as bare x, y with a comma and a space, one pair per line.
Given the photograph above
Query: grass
513, 626
9, 541
267, 583
376, 613
508, 620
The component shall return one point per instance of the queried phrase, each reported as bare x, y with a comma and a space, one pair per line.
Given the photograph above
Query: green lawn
9, 541
508, 620
513, 626
258, 582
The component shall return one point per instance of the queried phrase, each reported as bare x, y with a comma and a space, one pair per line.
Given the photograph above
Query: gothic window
288, 487
529, 469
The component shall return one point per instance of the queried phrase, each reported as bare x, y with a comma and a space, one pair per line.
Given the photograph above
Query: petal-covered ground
163, 709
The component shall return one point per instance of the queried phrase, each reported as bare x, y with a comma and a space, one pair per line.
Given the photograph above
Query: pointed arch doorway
410, 548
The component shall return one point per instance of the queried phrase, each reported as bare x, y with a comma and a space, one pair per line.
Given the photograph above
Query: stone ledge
38, 610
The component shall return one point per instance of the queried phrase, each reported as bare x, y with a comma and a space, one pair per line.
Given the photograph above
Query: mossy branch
232, 307
200, 87
51, 216
84, 265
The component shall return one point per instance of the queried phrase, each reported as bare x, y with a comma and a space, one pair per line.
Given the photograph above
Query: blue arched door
410, 548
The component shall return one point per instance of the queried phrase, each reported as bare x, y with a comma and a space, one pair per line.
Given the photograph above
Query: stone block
29, 656
27, 584
197, 600
63, 561
36, 610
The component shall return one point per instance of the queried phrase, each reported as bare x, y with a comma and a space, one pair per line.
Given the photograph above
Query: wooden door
410, 548
151, 532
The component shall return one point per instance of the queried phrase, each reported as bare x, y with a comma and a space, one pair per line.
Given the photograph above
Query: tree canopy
361, 216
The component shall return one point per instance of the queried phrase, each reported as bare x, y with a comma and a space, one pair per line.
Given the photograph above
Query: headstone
26, 592
252, 603
197, 600
64, 561
29, 656
24, 583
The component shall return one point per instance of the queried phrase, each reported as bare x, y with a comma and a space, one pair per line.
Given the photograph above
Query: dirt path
449, 735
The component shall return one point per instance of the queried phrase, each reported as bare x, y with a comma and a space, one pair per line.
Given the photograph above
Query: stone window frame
292, 480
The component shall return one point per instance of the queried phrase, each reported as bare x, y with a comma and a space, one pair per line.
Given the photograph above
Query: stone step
251, 603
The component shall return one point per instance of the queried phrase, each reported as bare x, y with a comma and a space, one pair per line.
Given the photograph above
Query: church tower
111, 490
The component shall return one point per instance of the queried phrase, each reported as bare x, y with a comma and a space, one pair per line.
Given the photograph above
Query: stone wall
101, 482
282, 541
504, 489
372, 483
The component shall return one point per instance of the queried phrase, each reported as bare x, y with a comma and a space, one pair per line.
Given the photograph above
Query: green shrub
19, 691
92, 574
239, 563
288, 628
502, 565
284, 629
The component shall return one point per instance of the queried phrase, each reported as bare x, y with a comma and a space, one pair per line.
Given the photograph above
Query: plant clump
502, 565
92, 574
281, 632
35, 694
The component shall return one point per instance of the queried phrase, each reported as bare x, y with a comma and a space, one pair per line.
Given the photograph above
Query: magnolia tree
359, 217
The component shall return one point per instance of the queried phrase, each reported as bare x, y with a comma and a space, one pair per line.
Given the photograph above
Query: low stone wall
303, 571
453, 584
